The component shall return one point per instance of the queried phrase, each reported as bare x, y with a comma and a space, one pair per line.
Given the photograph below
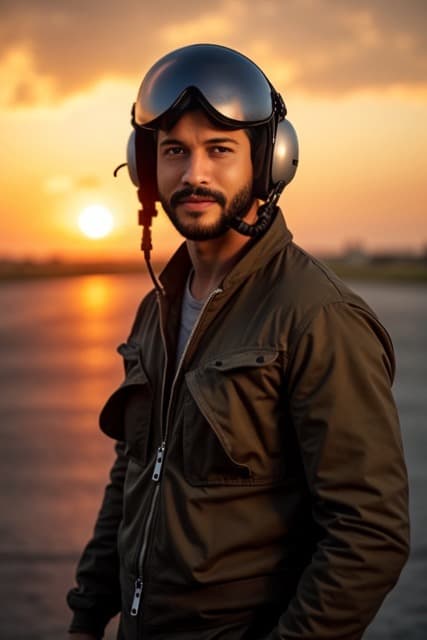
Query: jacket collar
175, 274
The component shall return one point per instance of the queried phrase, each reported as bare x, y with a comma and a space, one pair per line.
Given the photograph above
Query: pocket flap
111, 419
126, 416
131, 353
129, 350
111, 416
237, 395
248, 358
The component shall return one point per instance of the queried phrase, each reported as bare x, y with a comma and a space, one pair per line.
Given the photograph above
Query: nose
196, 170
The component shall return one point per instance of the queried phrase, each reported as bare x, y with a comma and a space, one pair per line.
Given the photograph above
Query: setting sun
95, 221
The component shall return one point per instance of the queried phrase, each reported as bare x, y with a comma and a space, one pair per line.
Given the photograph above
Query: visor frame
229, 86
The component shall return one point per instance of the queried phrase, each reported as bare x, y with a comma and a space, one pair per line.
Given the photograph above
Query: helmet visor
231, 87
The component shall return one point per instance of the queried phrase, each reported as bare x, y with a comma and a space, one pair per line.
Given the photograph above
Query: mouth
197, 202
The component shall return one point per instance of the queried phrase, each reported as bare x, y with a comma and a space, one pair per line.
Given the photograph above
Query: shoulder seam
302, 328
319, 266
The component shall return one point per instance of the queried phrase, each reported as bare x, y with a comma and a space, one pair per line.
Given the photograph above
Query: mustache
197, 191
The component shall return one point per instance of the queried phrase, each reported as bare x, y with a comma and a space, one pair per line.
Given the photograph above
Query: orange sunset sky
353, 74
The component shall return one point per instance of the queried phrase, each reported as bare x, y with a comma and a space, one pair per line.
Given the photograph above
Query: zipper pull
137, 594
159, 462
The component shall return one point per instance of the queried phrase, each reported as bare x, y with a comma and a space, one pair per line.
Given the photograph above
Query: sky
353, 74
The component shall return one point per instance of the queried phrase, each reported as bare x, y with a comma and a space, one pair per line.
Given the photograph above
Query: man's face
204, 175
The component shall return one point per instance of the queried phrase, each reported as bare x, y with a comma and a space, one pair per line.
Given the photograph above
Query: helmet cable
145, 218
266, 214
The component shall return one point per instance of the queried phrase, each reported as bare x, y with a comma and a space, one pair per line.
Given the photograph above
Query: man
259, 489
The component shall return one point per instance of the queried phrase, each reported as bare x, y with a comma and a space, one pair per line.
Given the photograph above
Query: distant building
355, 254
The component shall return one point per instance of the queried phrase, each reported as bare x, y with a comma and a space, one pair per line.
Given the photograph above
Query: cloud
57, 185
88, 182
319, 46
60, 184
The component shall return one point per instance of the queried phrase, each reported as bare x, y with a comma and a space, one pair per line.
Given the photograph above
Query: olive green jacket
260, 489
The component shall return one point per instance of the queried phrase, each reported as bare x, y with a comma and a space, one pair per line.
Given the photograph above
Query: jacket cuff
87, 622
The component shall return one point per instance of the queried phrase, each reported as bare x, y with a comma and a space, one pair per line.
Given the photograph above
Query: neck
213, 259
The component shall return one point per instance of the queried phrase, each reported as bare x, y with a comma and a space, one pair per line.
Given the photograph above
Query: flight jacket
260, 489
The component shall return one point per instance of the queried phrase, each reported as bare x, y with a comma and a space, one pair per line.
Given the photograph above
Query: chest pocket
232, 420
126, 416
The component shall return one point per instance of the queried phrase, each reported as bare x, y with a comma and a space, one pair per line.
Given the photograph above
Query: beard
238, 207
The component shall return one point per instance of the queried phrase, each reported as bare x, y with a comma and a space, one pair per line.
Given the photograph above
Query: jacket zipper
161, 452
181, 360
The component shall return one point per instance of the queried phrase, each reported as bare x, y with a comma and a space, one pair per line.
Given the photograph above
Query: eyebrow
220, 140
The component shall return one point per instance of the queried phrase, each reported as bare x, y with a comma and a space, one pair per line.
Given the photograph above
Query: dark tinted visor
232, 87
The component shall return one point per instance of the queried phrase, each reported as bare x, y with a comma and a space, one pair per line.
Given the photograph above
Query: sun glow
95, 221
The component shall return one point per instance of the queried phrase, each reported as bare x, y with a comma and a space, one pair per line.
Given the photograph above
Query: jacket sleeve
347, 427
96, 599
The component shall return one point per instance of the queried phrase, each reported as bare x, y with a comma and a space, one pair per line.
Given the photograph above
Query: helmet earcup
285, 154
141, 161
131, 157
273, 162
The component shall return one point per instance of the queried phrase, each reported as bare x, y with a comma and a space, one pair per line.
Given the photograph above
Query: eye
173, 151
220, 149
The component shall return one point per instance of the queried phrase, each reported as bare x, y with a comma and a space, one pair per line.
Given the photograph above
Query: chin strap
145, 218
266, 214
